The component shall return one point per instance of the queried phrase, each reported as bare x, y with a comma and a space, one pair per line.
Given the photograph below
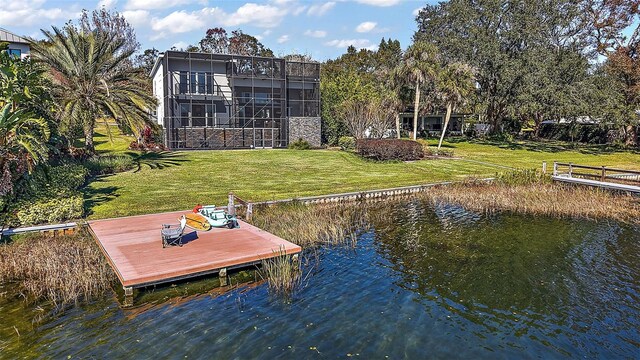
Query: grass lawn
179, 180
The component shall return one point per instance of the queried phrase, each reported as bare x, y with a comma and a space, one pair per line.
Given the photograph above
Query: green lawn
179, 180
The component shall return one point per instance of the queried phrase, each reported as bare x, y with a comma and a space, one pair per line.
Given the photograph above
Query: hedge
389, 149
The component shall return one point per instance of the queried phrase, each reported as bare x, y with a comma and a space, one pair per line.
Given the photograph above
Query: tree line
510, 64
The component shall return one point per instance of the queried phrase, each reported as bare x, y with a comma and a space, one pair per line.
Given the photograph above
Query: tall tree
610, 20
110, 22
245, 44
215, 41
455, 84
91, 80
497, 37
420, 66
146, 60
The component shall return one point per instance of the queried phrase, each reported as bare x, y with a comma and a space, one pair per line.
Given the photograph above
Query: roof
11, 37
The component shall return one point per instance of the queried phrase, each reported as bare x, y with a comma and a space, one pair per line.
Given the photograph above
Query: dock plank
134, 249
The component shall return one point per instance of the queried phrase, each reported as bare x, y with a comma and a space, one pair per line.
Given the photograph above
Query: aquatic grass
541, 198
283, 273
312, 225
62, 269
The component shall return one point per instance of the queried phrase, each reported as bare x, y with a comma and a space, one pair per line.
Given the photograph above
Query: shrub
51, 210
299, 145
390, 149
347, 142
56, 180
431, 151
109, 164
152, 146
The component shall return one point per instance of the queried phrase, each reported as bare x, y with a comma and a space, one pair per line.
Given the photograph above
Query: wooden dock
134, 249
597, 176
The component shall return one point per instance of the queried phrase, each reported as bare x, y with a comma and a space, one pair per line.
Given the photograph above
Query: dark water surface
424, 283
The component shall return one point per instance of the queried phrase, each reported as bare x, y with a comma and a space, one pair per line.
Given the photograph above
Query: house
223, 101
431, 124
18, 46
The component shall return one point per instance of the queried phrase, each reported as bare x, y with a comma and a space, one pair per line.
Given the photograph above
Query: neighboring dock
597, 176
134, 249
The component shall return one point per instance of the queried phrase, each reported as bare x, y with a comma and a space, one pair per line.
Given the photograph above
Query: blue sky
322, 29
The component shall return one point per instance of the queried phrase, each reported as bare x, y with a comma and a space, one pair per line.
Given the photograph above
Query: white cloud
299, 10
136, 17
320, 9
265, 16
31, 12
180, 45
358, 43
379, 2
283, 39
109, 4
156, 4
416, 11
316, 33
177, 22
366, 26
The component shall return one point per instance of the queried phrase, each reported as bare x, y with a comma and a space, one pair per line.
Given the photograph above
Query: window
262, 98
201, 83
210, 82
193, 84
15, 53
198, 115
184, 82
184, 115
211, 115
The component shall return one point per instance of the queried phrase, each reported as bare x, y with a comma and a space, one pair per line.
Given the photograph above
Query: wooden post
231, 207
603, 176
223, 276
555, 168
544, 167
570, 169
128, 296
249, 211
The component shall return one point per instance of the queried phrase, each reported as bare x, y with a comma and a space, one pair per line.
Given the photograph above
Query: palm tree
419, 66
23, 143
455, 84
93, 80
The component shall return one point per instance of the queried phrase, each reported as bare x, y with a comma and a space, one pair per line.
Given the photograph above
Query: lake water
425, 282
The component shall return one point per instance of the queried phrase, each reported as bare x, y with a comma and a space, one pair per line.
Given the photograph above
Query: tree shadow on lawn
158, 160
549, 146
96, 196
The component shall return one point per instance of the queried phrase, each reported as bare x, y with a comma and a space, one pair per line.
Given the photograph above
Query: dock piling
223, 276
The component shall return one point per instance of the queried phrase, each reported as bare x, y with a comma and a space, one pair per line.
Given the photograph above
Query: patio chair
172, 234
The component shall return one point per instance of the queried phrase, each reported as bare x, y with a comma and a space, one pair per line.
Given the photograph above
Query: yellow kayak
197, 222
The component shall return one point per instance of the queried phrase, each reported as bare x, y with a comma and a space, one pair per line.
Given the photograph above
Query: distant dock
597, 176
133, 247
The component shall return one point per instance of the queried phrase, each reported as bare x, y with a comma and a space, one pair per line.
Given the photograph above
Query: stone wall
306, 128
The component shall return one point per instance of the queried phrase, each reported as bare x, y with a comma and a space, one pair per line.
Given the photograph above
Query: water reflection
517, 273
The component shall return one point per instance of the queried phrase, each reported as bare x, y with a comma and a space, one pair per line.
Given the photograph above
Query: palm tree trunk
88, 139
416, 108
447, 117
398, 125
